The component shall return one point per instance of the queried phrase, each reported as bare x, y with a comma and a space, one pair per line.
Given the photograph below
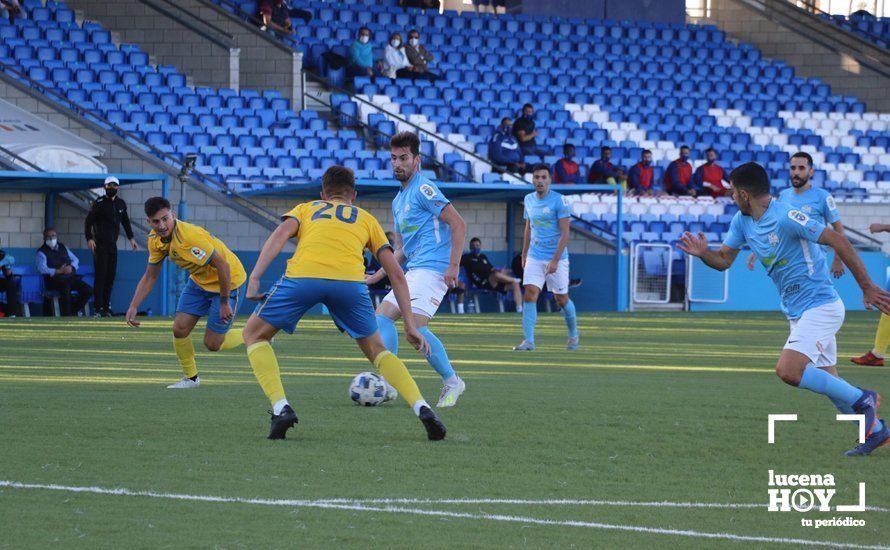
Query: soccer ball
367, 389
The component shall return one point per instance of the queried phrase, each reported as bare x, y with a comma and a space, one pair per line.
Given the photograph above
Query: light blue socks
838, 390
571, 320
388, 333
438, 357
529, 319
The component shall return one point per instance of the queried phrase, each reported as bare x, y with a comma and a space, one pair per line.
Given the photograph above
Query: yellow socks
234, 338
185, 351
882, 336
265, 368
395, 372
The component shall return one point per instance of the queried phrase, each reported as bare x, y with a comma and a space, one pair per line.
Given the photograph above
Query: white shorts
427, 289
814, 333
536, 274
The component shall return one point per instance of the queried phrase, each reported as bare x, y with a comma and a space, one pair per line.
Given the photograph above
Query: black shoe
281, 423
435, 430
107, 313
575, 283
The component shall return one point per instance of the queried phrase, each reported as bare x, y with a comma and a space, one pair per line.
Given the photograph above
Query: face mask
110, 192
684, 157
475, 250
51, 242
364, 39
530, 117
505, 129
647, 162
414, 42
395, 43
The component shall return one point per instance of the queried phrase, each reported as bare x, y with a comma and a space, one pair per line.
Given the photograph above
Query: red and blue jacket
566, 171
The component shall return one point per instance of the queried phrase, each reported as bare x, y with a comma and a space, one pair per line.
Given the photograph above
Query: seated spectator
422, 4
275, 15
566, 169
525, 132
503, 149
361, 54
395, 60
485, 276
641, 178
58, 265
602, 170
710, 176
12, 8
419, 57
678, 177
495, 4
11, 285
373, 266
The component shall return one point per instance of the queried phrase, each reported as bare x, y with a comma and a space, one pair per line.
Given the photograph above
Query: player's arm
564, 229
837, 266
526, 241
879, 228
398, 253
146, 283
752, 261
225, 285
271, 249
872, 294
458, 227
388, 263
696, 245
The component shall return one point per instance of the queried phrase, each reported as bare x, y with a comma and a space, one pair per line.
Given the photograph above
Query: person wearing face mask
101, 229
58, 265
419, 57
361, 54
678, 177
710, 176
395, 60
641, 178
525, 132
566, 170
10, 284
485, 276
504, 150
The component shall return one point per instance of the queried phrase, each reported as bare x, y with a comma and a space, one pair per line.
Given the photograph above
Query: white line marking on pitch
436, 513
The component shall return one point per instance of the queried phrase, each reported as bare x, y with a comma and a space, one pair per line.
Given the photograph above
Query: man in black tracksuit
102, 228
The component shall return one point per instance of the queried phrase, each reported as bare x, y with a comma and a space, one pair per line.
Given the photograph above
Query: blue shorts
194, 300
348, 302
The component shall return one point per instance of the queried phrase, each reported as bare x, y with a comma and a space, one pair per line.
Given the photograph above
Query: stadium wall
862, 214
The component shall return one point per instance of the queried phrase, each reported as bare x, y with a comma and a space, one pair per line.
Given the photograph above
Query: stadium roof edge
58, 182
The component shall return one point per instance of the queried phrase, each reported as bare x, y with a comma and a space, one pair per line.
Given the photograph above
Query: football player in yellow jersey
215, 273
328, 268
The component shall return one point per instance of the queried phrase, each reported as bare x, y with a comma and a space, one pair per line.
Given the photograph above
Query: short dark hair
528, 105
47, 230
684, 147
710, 150
338, 180
540, 166
605, 148
406, 139
506, 118
477, 239
414, 31
751, 177
645, 151
155, 205
803, 155
364, 29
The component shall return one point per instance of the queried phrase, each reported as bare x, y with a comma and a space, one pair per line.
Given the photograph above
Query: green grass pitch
623, 444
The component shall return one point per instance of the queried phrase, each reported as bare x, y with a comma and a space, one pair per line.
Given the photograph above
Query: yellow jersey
191, 247
332, 239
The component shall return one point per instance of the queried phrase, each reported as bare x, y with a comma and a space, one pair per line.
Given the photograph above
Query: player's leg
183, 324
533, 279
452, 384
559, 283
500, 278
459, 294
219, 334
875, 357
393, 370
387, 314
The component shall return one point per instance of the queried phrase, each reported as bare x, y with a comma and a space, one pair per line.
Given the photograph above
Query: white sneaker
572, 343
449, 395
525, 346
185, 384
391, 393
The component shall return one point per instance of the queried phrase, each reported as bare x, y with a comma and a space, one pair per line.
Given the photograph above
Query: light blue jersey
785, 241
426, 240
814, 202
544, 215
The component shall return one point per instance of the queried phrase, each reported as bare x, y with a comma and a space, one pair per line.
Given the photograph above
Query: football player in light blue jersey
816, 203
545, 257
785, 239
430, 237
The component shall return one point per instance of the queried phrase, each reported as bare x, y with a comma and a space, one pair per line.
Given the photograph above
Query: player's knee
787, 374
531, 294
561, 299
212, 345
180, 332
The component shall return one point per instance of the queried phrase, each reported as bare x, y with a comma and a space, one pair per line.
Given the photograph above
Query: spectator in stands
361, 54
419, 57
641, 178
58, 265
485, 276
678, 177
602, 170
395, 60
494, 5
275, 15
9, 284
525, 132
373, 266
13, 9
566, 170
422, 4
710, 176
504, 150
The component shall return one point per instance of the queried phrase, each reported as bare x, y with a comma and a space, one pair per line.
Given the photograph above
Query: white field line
346, 505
